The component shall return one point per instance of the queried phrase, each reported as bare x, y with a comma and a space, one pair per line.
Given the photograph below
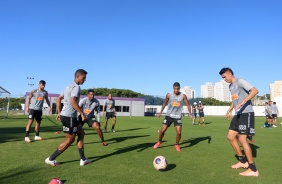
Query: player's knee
178, 134
230, 138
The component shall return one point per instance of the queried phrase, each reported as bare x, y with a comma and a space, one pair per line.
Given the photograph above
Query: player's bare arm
186, 101
164, 104
103, 110
59, 107
252, 94
48, 101
229, 112
77, 108
28, 100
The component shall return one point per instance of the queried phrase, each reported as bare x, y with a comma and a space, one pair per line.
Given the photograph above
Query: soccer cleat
104, 144
249, 172
105, 131
26, 139
177, 147
51, 162
275, 126
240, 165
38, 138
113, 130
55, 181
85, 162
157, 144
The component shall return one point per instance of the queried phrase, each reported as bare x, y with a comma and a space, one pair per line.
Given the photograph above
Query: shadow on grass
254, 151
169, 168
137, 148
119, 139
8, 176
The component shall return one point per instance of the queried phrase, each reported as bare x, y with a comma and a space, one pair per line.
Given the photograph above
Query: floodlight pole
30, 84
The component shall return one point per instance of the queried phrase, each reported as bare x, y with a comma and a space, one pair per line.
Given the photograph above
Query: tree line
15, 103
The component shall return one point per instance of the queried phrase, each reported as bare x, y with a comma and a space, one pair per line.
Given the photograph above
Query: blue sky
143, 45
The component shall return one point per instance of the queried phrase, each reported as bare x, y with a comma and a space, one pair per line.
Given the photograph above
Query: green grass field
206, 155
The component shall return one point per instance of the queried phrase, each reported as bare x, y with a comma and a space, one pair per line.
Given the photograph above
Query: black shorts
110, 115
69, 124
35, 114
201, 114
168, 121
195, 115
269, 117
89, 121
274, 116
244, 123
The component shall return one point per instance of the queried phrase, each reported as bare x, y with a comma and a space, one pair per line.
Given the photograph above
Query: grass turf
206, 155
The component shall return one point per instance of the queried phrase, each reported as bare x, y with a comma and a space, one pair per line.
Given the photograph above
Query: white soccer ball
281, 123
160, 163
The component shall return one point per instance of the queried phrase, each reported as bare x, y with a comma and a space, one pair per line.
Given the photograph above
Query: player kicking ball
68, 117
89, 106
175, 101
243, 123
35, 103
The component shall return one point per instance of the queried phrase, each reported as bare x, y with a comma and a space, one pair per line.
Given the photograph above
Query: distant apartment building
189, 92
275, 90
207, 90
221, 91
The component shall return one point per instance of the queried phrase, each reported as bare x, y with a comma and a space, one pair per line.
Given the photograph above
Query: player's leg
165, 125
70, 132
106, 122
114, 123
38, 118
80, 146
28, 126
96, 126
194, 118
178, 129
203, 119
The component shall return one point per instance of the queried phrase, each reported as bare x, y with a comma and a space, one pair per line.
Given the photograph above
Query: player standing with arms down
35, 103
68, 117
175, 101
201, 113
243, 123
89, 106
194, 111
275, 113
109, 107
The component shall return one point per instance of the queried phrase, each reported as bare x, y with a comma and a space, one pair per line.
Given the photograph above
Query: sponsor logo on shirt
235, 97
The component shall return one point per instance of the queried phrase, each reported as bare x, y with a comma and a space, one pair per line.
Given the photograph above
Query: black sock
160, 141
177, 143
113, 127
105, 128
102, 139
37, 133
81, 153
242, 159
27, 133
253, 167
55, 155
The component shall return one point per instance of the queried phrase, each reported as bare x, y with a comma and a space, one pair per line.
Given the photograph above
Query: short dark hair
42, 82
226, 69
176, 84
80, 72
274, 102
90, 91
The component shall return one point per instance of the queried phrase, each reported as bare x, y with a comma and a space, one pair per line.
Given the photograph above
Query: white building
221, 91
189, 92
207, 90
275, 90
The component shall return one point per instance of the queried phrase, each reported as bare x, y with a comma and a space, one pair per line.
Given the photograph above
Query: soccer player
175, 101
89, 106
194, 111
275, 113
109, 107
68, 117
243, 123
35, 103
270, 115
201, 113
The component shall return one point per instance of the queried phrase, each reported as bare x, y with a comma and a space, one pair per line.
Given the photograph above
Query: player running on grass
89, 105
35, 103
68, 117
109, 107
175, 101
243, 123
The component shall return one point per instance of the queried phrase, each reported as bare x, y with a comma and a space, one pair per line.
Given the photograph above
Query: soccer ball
281, 123
160, 163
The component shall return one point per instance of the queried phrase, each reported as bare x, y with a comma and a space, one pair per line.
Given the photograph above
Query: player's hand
27, 110
159, 115
228, 115
83, 117
103, 114
58, 117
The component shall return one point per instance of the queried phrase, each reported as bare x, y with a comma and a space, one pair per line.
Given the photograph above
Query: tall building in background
221, 91
207, 90
189, 92
275, 89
